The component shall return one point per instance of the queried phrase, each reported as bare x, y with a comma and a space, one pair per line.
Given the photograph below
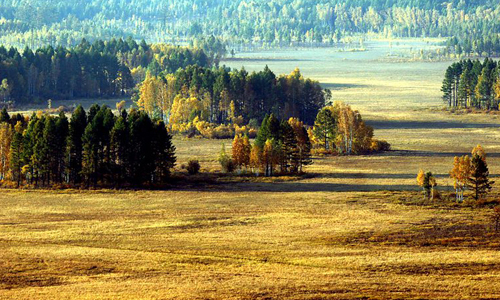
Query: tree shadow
421, 153
369, 175
342, 86
395, 124
303, 187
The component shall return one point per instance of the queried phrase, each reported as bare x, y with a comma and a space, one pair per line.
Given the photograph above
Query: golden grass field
354, 228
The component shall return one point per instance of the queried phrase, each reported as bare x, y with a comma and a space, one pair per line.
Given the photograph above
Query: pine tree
324, 128
37, 162
62, 130
478, 180
288, 143
90, 157
466, 89
163, 153
4, 116
49, 163
16, 154
263, 133
75, 145
141, 129
120, 150
447, 87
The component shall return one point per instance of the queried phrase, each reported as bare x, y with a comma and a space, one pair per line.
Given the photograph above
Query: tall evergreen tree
478, 180
62, 130
75, 144
120, 150
163, 153
16, 150
324, 127
263, 133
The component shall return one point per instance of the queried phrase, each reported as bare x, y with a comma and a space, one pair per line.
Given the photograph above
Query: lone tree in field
478, 180
428, 182
460, 174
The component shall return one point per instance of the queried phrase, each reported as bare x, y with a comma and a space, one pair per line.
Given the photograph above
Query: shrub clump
193, 167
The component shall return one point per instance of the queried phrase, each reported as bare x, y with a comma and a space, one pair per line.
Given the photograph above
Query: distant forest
473, 26
472, 84
89, 70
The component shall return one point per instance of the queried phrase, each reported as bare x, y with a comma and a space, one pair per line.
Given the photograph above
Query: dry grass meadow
354, 228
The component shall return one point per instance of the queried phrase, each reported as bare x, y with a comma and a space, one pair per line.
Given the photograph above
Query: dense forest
472, 26
88, 70
94, 148
472, 84
197, 95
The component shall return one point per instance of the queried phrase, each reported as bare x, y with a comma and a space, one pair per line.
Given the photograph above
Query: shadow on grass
370, 175
307, 187
420, 153
394, 124
341, 86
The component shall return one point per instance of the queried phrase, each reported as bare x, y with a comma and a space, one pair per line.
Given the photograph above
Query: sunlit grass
355, 227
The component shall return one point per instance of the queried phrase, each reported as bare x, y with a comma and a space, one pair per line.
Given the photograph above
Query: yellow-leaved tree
256, 158
460, 173
156, 95
241, 151
479, 150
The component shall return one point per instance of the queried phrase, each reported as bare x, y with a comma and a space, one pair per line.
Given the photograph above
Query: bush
378, 146
225, 161
227, 165
223, 132
193, 167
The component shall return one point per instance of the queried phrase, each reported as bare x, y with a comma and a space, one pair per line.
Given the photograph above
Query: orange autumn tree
241, 151
256, 158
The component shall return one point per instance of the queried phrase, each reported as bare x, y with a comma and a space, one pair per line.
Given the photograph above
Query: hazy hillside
279, 23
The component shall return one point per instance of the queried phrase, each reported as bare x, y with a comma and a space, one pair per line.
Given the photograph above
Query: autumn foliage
340, 129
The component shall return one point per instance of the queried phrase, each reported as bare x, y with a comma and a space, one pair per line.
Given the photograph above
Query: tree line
91, 149
222, 96
472, 84
99, 69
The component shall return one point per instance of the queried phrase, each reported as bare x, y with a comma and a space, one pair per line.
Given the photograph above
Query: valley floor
354, 229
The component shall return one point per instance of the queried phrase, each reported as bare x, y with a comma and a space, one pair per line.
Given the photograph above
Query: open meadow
353, 228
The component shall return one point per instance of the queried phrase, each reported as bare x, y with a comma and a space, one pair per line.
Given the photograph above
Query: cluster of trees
475, 43
340, 129
278, 22
468, 173
94, 148
221, 96
88, 70
471, 173
280, 146
472, 84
